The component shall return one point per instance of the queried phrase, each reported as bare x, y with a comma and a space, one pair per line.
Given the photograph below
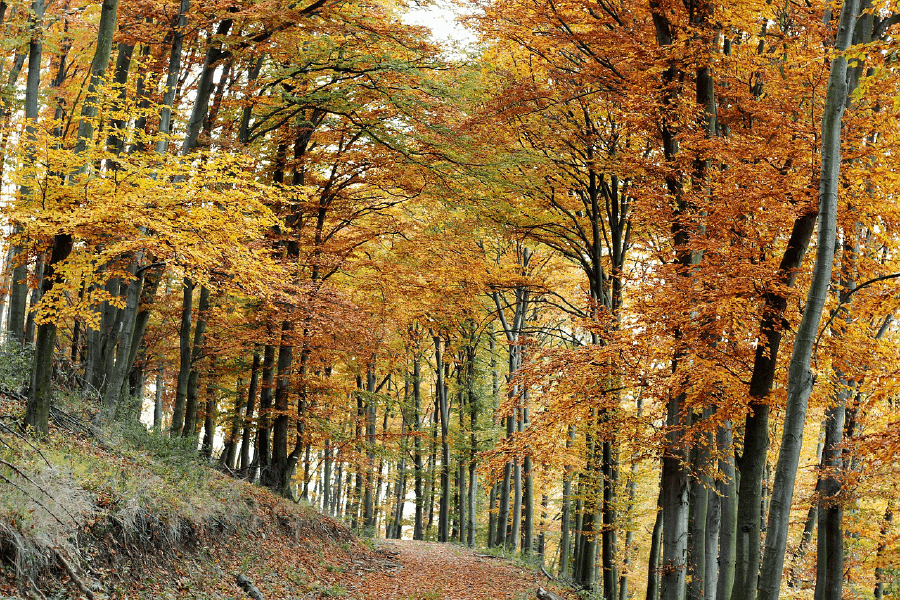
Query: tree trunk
655, 547
184, 365
37, 413
800, 377
699, 484
830, 537
15, 322
35, 298
165, 113
418, 527
880, 574
192, 403
608, 534
675, 503
229, 453
564, 524
443, 407
726, 487
263, 441
209, 420
158, 403
279, 480
248, 415
528, 516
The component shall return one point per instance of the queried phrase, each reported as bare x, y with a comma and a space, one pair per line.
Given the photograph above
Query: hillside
126, 513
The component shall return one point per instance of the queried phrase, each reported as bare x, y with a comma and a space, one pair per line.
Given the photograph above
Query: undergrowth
77, 503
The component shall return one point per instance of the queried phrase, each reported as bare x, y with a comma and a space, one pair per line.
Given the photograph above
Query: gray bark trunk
655, 548
800, 378
184, 369
248, 415
726, 487
165, 113
18, 297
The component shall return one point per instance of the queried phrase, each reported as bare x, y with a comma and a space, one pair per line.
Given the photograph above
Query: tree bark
800, 377
248, 415
37, 411
192, 403
726, 486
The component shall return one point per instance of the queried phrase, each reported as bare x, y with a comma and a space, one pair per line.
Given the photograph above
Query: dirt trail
432, 571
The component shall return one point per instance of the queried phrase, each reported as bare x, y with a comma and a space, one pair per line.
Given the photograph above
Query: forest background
541, 292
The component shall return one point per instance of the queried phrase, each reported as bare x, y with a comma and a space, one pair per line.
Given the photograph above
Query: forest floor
128, 514
429, 570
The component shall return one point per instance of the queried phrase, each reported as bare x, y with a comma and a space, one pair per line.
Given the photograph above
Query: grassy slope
136, 516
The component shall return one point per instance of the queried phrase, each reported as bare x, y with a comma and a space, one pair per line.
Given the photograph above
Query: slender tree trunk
35, 298
37, 414
15, 323
473, 444
263, 439
369, 409
726, 486
699, 484
158, 403
209, 420
461, 475
229, 453
39, 397
830, 537
800, 377
608, 534
655, 551
675, 490
443, 408
279, 480
528, 516
184, 368
248, 415
564, 524
192, 403
418, 528
123, 364
880, 574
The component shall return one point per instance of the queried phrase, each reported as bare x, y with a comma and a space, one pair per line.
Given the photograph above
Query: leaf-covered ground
131, 515
431, 570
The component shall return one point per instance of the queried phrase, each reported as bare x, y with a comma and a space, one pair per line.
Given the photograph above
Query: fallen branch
547, 575
247, 585
543, 594
74, 576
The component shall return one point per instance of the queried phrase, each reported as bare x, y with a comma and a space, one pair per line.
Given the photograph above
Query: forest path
432, 571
